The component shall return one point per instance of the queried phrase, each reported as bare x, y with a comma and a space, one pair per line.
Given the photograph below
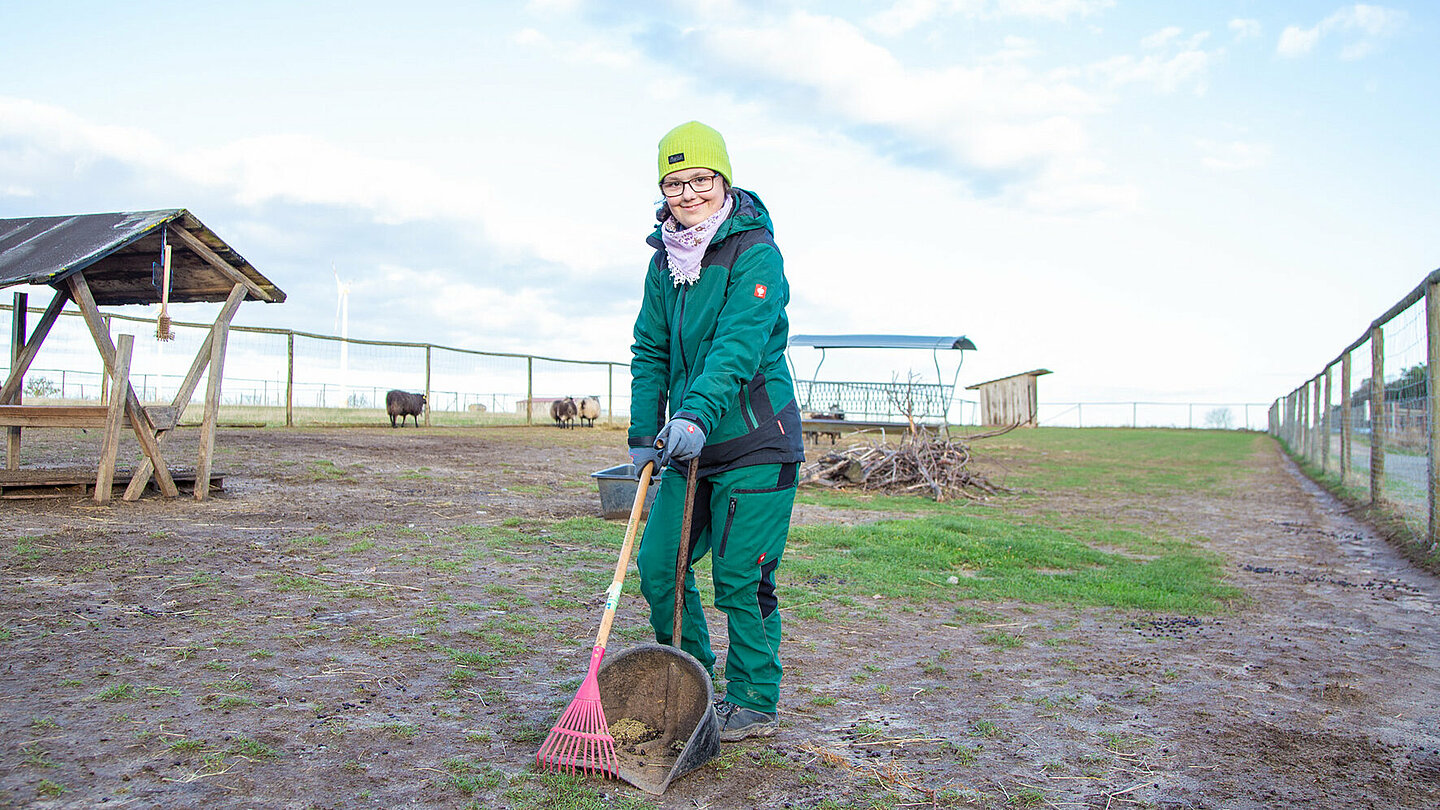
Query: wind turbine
342, 325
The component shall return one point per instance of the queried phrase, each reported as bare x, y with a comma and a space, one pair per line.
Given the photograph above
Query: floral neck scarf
685, 248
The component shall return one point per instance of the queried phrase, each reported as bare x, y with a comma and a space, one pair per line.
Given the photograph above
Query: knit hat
693, 145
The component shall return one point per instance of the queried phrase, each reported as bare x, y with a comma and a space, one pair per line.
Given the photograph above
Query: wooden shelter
1013, 400
117, 259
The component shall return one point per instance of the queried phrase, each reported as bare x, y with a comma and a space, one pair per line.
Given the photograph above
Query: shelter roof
120, 254
882, 342
1033, 373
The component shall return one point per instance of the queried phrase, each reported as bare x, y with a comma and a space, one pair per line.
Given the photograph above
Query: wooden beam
21, 365
212, 410
139, 420
203, 250
142, 474
75, 416
110, 446
17, 346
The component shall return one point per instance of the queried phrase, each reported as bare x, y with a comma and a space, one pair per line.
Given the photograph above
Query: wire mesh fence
283, 377
1365, 419
1199, 415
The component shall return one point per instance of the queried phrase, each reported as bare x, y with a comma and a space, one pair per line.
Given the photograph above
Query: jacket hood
749, 213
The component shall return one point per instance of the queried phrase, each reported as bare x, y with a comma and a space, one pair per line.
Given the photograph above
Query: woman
709, 379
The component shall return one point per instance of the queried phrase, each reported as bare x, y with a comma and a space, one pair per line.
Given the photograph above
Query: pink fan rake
581, 740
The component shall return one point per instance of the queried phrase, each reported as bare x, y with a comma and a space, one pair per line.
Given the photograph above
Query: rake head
581, 741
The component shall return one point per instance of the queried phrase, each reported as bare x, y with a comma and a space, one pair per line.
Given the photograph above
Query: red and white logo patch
760, 290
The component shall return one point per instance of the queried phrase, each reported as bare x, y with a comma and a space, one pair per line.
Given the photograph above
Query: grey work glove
680, 440
640, 456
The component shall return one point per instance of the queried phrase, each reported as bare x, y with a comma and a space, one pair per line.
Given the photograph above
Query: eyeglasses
699, 185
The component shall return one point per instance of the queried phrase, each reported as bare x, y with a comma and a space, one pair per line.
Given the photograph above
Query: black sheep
403, 404
563, 412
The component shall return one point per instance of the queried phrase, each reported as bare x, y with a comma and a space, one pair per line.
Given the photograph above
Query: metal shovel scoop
665, 689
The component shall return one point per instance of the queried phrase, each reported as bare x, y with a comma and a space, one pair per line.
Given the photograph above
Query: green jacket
714, 351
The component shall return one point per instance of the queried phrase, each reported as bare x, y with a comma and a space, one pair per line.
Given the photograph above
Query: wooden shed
1012, 400
129, 257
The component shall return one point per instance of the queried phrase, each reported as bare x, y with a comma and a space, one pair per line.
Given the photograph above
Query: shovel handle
612, 594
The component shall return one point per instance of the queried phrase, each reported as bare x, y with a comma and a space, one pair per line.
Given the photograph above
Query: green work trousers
741, 519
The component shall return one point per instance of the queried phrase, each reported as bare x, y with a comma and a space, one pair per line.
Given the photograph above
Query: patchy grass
998, 559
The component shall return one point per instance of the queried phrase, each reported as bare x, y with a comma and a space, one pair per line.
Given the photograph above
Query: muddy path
383, 618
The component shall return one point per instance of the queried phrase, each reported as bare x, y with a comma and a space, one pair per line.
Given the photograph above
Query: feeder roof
882, 342
120, 254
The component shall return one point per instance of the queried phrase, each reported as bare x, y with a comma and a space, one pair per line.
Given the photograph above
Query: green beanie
693, 145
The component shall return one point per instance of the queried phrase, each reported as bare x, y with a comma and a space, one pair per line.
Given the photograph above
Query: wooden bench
112, 418
163, 417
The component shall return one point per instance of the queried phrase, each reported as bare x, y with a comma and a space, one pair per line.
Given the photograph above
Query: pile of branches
921, 462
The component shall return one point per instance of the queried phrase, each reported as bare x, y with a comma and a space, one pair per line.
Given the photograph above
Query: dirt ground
386, 618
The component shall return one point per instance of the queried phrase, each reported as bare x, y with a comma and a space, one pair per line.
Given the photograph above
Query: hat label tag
676, 158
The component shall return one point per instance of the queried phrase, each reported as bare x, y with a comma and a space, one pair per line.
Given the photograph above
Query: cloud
1296, 41
1361, 27
1172, 61
907, 15
1245, 28
994, 124
1161, 38
1232, 155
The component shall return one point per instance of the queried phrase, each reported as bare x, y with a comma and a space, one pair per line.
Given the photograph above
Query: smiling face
691, 207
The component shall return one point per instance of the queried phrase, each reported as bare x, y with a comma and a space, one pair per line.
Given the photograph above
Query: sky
1165, 201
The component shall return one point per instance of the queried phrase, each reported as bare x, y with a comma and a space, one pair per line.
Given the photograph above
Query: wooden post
1326, 428
529, 388
428, 406
105, 365
1315, 434
110, 445
1432, 401
290, 379
221, 333
1377, 413
1346, 425
1307, 430
17, 348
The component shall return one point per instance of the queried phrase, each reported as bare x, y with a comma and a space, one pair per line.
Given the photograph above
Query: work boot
738, 722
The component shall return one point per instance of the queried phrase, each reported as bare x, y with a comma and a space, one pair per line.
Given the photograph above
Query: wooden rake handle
612, 594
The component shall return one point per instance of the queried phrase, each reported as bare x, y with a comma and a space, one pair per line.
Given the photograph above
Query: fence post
1347, 427
1289, 421
610, 402
428, 406
1432, 402
1134, 414
529, 389
1315, 434
1377, 413
1302, 421
17, 341
290, 379
1326, 429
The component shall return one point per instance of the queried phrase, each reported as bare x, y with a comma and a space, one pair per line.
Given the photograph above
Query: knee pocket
755, 526
751, 542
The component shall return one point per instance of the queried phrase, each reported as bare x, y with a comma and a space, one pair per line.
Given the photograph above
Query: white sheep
589, 409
